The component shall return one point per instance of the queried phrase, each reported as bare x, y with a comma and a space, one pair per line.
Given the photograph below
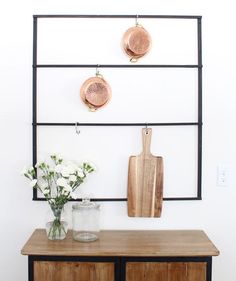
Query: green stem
56, 227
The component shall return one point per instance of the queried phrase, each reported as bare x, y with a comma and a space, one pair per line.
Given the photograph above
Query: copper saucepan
136, 42
95, 92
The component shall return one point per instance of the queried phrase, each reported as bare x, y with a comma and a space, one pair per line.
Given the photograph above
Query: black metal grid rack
197, 66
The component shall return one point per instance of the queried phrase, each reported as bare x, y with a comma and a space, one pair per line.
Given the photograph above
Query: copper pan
95, 92
136, 42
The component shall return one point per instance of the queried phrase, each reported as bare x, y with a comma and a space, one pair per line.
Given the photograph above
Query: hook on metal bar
76, 128
97, 70
136, 20
146, 128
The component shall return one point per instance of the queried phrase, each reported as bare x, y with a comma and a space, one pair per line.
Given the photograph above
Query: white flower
44, 185
68, 188
24, 171
57, 158
64, 192
46, 191
31, 169
28, 172
58, 168
65, 172
33, 183
80, 173
88, 167
62, 182
54, 156
68, 170
72, 178
40, 164
72, 168
73, 195
91, 164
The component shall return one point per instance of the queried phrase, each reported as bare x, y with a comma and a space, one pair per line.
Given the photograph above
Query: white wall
215, 214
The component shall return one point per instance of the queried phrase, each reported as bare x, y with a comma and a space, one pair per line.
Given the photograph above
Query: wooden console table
165, 255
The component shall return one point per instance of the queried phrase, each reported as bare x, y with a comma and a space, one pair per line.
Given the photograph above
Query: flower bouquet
58, 183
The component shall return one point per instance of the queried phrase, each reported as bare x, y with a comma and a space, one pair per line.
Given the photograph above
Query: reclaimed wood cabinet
165, 255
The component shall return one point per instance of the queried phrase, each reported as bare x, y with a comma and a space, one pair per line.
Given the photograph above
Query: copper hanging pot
136, 42
95, 92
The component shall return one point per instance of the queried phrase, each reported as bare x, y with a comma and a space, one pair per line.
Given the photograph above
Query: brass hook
97, 70
136, 20
76, 128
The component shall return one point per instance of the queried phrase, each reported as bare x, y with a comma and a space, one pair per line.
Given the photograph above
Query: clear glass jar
85, 221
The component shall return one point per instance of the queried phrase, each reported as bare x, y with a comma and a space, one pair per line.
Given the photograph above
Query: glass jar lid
85, 204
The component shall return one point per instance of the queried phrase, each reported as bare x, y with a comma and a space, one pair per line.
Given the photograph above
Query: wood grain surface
145, 181
71, 271
166, 271
151, 271
143, 243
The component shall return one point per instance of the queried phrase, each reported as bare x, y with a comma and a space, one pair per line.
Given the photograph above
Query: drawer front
166, 271
71, 271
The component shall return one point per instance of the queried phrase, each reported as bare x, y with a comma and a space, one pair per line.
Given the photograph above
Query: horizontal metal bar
121, 16
64, 258
117, 66
35, 198
124, 199
119, 124
167, 259
165, 199
181, 198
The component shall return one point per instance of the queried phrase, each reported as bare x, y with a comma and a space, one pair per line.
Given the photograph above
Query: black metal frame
197, 66
119, 262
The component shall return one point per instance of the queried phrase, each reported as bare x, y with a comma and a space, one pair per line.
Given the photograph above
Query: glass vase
56, 223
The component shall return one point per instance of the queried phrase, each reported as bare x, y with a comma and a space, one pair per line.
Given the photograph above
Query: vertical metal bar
209, 269
117, 268
123, 264
30, 269
199, 42
34, 98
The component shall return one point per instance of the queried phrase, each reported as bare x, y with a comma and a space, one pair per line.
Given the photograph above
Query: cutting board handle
147, 135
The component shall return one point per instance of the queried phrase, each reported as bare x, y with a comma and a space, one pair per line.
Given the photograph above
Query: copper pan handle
133, 60
98, 73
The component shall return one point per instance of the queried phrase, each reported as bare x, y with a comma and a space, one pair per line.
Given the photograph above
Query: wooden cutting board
145, 181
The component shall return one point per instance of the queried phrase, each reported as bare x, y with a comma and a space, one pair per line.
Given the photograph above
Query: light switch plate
222, 175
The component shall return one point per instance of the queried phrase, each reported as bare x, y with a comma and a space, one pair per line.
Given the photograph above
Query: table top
135, 243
